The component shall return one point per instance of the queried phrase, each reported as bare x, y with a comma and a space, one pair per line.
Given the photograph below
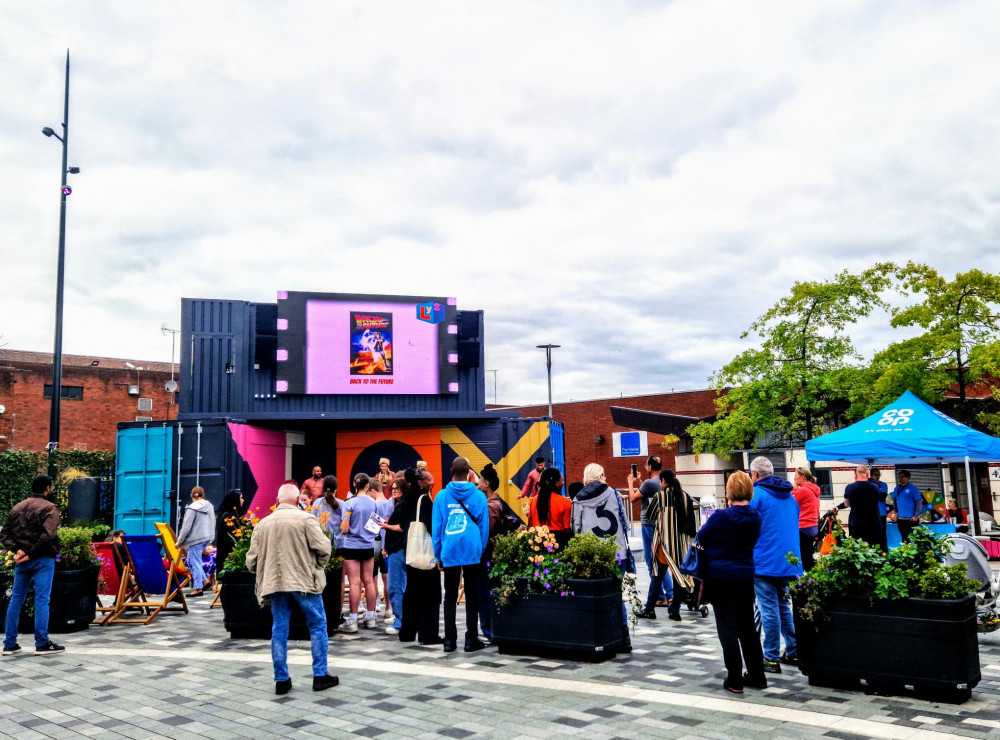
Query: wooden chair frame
128, 590
173, 594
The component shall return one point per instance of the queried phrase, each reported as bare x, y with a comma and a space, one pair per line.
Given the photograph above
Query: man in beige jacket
289, 553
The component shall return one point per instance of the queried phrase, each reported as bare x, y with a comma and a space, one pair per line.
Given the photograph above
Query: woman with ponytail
550, 508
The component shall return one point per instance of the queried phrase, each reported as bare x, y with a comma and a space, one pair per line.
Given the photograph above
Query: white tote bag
419, 545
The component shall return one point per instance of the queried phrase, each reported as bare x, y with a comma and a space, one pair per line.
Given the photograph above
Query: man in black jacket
31, 533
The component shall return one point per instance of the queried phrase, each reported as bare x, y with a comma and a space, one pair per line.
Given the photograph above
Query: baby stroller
969, 551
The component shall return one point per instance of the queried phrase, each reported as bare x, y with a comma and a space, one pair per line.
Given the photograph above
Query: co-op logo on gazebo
895, 417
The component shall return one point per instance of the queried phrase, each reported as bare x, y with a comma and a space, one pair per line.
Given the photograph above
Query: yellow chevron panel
514, 460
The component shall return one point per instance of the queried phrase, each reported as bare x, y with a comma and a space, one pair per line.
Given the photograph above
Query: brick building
589, 427
97, 393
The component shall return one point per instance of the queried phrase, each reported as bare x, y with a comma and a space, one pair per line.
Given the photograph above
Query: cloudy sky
635, 181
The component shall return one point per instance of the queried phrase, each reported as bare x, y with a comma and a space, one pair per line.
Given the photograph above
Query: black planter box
930, 645
245, 619
585, 626
72, 606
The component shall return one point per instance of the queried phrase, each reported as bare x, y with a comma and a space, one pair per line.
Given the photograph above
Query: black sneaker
282, 687
772, 666
12, 650
789, 659
322, 683
647, 614
754, 683
49, 648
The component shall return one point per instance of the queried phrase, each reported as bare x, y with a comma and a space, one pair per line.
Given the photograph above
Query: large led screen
339, 343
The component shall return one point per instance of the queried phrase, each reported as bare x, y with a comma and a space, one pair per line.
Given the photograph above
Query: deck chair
153, 579
119, 583
173, 552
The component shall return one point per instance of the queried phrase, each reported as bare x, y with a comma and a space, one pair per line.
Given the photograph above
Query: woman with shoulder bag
727, 540
422, 595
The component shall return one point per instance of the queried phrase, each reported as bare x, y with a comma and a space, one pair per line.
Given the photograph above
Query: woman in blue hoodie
461, 529
728, 539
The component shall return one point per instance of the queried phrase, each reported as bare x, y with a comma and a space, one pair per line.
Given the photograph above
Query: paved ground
181, 677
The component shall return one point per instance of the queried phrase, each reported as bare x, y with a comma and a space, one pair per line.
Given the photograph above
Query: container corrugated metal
218, 376
202, 453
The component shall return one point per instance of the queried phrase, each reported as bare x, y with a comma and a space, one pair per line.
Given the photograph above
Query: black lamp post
60, 274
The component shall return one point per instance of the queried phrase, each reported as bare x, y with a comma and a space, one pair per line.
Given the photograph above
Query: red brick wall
89, 423
584, 420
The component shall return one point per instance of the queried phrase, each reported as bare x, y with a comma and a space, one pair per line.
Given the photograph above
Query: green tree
958, 346
797, 382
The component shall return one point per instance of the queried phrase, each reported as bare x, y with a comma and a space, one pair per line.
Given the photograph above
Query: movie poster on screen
371, 343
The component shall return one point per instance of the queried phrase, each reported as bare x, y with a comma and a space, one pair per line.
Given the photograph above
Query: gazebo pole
973, 517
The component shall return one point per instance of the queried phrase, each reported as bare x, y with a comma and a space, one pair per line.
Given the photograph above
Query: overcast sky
636, 181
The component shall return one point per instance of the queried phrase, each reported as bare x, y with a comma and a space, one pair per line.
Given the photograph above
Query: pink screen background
328, 350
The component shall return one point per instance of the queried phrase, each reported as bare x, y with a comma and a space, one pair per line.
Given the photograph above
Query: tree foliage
957, 348
798, 380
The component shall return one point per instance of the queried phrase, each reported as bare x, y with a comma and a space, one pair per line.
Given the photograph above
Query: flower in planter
534, 554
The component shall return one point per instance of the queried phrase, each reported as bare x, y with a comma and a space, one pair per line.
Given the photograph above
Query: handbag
691, 564
419, 545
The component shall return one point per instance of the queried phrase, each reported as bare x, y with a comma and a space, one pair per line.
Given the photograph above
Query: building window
824, 481
66, 392
685, 446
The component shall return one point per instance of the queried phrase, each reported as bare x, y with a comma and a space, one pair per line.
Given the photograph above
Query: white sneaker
350, 627
371, 623
391, 630
389, 616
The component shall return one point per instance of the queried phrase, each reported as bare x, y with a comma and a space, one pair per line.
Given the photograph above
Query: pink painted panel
264, 452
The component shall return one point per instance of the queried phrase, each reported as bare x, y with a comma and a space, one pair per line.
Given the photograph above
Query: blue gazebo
909, 431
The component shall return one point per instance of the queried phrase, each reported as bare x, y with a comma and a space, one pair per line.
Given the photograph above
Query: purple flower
549, 548
562, 593
57, 557
556, 560
488, 563
572, 593
536, 574
548, 585
546, 571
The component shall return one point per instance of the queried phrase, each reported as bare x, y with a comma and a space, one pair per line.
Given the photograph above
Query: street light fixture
60, 279
548, 368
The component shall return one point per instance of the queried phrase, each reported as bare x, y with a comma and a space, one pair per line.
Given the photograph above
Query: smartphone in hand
635, 470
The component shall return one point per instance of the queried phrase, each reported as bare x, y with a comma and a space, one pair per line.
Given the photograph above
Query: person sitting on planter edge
779, 536
197, 533
289, 552
461, 529
591, 507
727, 540
862, 498
551, 509
32, 534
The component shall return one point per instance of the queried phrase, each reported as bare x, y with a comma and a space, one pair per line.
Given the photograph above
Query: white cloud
636, 181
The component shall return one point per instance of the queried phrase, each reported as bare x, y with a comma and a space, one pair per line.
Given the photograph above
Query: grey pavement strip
741, 708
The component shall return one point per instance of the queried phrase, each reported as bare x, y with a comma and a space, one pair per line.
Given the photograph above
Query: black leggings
732, 599
421, 605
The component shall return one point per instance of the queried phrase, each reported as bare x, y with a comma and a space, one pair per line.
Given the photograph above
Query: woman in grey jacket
197, 533
598, 509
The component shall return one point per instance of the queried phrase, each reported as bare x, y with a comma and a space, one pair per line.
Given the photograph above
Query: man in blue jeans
646, 493
779, 536
32, 534
289, 552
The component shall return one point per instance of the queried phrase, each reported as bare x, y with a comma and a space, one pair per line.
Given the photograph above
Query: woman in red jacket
550, 508
806, 492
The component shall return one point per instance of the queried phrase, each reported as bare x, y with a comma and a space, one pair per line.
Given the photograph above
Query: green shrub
855, 568
75, 552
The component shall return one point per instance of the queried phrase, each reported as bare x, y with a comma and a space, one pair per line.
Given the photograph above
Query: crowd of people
395, 528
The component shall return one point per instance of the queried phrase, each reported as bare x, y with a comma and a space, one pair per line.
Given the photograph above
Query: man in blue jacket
779, 536
460, 531
910, 505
